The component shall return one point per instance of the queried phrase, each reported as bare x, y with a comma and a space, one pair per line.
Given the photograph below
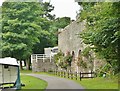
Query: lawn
25, 71
99, 83
33, 83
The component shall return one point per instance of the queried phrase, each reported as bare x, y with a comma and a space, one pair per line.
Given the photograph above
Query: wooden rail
82, 75
75, 75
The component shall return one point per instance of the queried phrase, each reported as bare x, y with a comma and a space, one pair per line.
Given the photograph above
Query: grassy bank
99, 83
32, 82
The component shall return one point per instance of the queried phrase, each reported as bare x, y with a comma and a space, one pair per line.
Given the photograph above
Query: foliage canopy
103, 30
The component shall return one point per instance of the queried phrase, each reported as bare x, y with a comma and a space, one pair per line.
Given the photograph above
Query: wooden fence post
54, 72
60, 73
68, 74
64, 74
71, 75
76, 75
57, 72
80, 76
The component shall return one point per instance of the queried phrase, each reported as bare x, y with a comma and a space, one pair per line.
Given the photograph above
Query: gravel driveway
58, 83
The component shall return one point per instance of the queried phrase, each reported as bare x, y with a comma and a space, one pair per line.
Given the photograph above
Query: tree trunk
24, 63
28, 64
21, 68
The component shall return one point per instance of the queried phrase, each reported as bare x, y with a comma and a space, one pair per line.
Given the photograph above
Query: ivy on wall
63, 61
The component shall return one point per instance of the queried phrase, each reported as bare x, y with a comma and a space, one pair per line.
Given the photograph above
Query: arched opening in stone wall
73, 54
79, 52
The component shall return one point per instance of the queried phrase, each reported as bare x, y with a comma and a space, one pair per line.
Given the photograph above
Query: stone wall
41, 66
69, 38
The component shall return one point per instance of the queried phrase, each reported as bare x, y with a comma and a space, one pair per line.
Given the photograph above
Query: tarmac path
58, 83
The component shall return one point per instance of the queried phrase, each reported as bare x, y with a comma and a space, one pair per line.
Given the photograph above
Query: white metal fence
40, 57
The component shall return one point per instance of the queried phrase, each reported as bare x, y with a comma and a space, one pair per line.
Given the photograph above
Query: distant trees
103, 30
57, 24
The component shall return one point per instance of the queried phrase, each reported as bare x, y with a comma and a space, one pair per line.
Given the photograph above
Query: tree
0, 32
22, 26
58, 23
103, 30
45, 38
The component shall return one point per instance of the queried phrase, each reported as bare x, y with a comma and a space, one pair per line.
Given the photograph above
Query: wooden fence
76, 76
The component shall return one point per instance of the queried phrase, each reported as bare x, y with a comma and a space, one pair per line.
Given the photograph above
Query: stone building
69, 38
69, 41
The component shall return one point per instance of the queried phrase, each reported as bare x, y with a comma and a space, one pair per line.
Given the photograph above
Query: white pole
31, 59
36, 58
94, 65
43, 58
50, 58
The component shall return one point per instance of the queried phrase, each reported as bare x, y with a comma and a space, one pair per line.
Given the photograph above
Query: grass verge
99, 83
33, 83
25, 71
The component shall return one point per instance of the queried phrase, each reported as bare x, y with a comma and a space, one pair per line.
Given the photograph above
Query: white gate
40, 56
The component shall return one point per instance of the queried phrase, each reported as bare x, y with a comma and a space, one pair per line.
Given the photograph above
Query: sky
1, 2
63, 8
